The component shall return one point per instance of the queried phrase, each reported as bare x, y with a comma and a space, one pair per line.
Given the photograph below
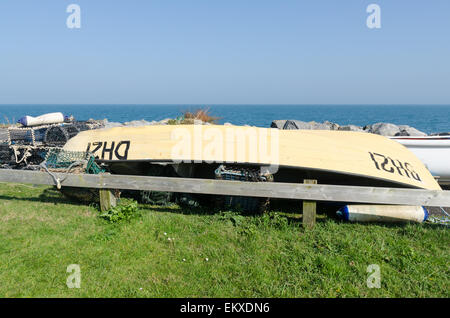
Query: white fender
383, 213
46, 119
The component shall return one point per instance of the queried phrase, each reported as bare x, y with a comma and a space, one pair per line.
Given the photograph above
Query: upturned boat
236, 152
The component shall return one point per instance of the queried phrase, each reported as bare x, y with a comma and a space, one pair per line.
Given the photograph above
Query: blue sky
225, 52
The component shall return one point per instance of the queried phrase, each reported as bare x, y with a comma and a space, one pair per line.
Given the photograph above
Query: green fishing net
58, 158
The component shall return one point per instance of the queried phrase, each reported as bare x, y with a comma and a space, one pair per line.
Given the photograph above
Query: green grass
41, 233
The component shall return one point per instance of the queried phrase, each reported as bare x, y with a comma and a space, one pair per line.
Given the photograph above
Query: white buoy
383, 213
46, 119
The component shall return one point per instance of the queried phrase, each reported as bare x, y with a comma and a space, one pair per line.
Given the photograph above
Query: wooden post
107, 199
309, 209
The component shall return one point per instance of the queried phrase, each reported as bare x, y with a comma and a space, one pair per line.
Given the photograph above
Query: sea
427, 118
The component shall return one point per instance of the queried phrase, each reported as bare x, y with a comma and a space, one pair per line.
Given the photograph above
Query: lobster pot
57, 136
6, 154
383, 213
19, 136
236, 173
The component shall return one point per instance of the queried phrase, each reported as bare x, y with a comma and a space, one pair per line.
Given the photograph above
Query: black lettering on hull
97, 146
384, 163
414, 174
109, 152
124, 154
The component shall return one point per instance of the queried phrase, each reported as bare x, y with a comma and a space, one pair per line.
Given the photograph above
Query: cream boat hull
342, 154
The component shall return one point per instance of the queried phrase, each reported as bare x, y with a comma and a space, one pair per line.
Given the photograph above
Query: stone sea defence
384, 129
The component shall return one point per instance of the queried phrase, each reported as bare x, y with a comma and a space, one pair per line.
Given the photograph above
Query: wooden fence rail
310, 192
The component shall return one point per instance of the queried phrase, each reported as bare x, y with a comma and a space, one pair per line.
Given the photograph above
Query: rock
113, 124
312, 125
402, 133
295, 124
143, 122
441, 134
137, 123
278, 124
352, 128
298, 124
406, 130
384, 129
333, 126
321, 126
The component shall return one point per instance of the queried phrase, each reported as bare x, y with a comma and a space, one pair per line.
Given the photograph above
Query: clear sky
225, 52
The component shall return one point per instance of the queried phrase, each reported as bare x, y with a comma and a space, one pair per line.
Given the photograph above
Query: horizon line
219, 104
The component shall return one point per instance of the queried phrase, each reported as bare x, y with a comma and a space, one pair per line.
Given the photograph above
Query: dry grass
7, 123
201, 114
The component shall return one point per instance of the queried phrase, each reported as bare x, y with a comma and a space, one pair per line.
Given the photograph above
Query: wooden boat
231, 152
433, 151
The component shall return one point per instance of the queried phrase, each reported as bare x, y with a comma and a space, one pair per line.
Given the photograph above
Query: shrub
200, 114
123, 212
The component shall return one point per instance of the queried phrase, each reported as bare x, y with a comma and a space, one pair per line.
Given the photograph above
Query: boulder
312, 125
295, 124
298, 124
441, 134
321, 126
111, 124
331, 125
137, 123
384, 129
352, 128
406, 130
278, 124
402, 133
